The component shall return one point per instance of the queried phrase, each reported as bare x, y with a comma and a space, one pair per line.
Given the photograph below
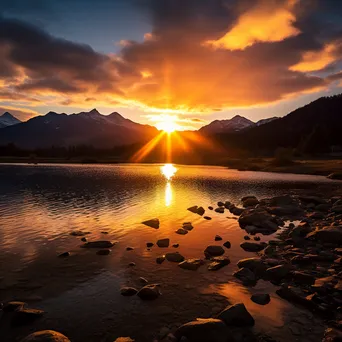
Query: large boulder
253, 246
153, 223
256, 265
191, 264
246, 276
236, 315
249, 201
218, 262
329, 234
278, 272
213, 250
204, 330
259, 218
46, 336
149, 292
163, 243
174, 257
261, 299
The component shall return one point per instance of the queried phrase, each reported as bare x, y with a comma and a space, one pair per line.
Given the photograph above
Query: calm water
40, 205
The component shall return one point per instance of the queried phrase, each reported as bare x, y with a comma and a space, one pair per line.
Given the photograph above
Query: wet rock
84, 239
181, 231
128, 291
336, 175
327, 234
246, 276
261, 299
220, 204
149, 292
249, 201
312, 199
13, 306
246, 237
324, 284
46, 336
200, 211
143, 280
160, 259
129, 248
332, 335
153, 223
98, 244
105, 233
207, 217
220, 210
149, 244
163, 243
64, 255
124, 339
131, 264
175, 245
301, 230
203, 330
210, 208
218, 262
253, 246
79, 233
187, 226
174, 257
278, 272
337, 209
293, 295
103, 252
218, 238
213, 250
26, 316
191, 264
257, 238
303, 278
227, 244
256, 265
236, 211
236, 315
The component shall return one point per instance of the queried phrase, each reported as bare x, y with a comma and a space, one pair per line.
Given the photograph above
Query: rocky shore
303, 260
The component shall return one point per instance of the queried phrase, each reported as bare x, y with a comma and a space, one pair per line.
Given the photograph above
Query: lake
40, 205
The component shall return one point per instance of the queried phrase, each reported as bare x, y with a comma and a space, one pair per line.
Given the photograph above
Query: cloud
267, 21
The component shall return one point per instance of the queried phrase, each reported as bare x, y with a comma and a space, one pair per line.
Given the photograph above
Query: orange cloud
268, 21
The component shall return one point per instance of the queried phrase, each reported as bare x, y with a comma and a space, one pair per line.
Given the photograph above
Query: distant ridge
7, 119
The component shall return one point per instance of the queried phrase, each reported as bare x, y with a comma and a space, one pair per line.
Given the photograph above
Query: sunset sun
167, 123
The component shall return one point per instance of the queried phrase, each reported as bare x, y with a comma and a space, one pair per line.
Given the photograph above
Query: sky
193, 61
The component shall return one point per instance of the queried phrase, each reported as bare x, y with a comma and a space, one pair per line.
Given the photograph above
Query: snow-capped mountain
8, 119
236, 124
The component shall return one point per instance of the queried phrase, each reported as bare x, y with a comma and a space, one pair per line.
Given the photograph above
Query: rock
160, 259
301, 230
218, 262
256, 265
149, 292
13, 306
257, 238
227, 244
213, 250
246, 276
191, 264
324, 284
236, 211
303, 278
129, 248
218, 238
104, 233
103, 252
64, 255
175, 245
143, 280
46, 336
163, 243
322, 207
26, 316
337, 209
311, 199
200, 211
153, 223
293, 295
124, 339
131, 264
210, 208
174, 257
149, 244
220, 210
98, 244
207, 217
79, 233
203, 330
128, 291
332, 335
220, 204
258, 218
261, 299
253, 246
336, 175
327, 234
84, 239
187, 226
246, 237
277, 272
249, 201
181, 231
236, 315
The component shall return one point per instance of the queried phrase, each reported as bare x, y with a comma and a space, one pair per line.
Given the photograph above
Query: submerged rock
213, 250
104, 252
13, 306
46, 336
246, 276
153, 223
278, 272
25, 316
218, 262
218, 238
207, 217
149, 244
160, 259
227, 244
181, 231
79, 233
203, 330
236, 315
253, 246
64, 255
98, 244
149, 292
175, 245
261, 299
187, 226
220, 210
174, 257
191, 264
128, 291
256, 265
197, 210
163, 243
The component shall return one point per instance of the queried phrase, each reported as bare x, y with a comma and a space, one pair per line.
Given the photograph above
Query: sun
167, 123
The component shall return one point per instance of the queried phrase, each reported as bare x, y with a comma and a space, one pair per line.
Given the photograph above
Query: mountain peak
94, 111
7, 119
7, 115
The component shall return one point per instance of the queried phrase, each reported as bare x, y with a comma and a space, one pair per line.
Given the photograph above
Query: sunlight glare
168, 194
167, 123
168, 171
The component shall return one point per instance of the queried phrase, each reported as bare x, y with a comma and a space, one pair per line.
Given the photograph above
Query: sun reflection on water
168, 171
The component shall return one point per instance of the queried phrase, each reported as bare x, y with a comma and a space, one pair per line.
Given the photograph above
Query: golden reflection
168, 194
168, 171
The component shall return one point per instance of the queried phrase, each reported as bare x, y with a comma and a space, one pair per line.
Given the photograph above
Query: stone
131, 264
124, 339
246, 237
181, 231
149, 244
129, 248
143, 280
236, 315
259, 218
336, 175
79, 233
236, 211
203, 330
153, 223
163, 243
105, 233
218, 238
98, 244
227, 244
45, 336
174, 257
128, 291
332, 335
84, 239
327, 234
303, 278
213, 250
256, 265
253, 246
246, 276
207, 217
13, 306
256, 238
249, 201
191, 264
261, 299
103, 252
160, 259
175, 245
312, 199
278, 272
220, 204
220, 210
26, 316
218, 262
187, 226
200, 211
210, 208
149, 292
64, 255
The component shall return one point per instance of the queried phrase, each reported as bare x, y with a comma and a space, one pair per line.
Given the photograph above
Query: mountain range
313, 128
